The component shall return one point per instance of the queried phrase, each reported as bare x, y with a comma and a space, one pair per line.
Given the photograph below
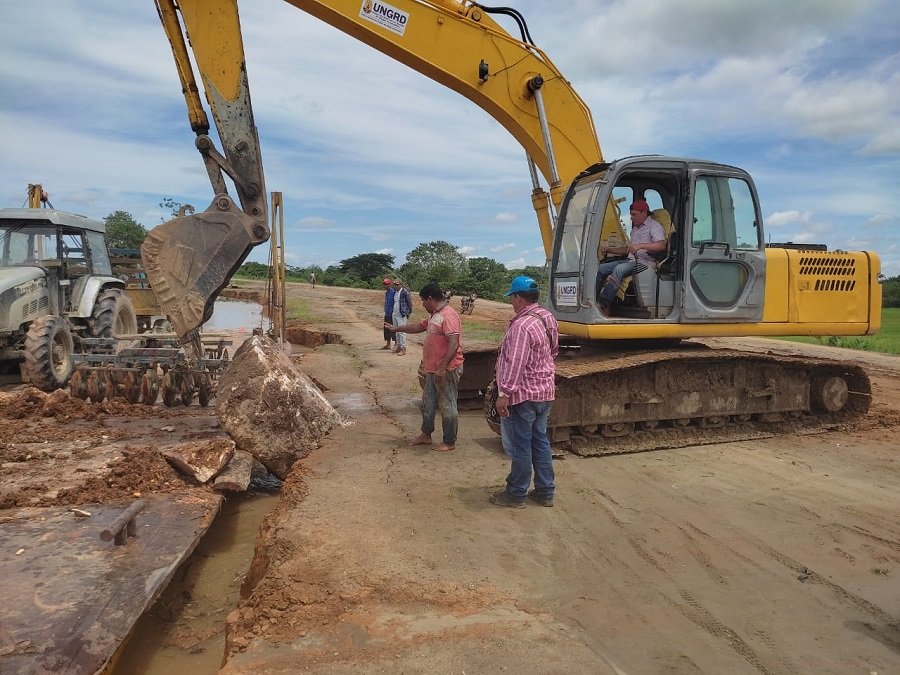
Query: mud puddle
235, 315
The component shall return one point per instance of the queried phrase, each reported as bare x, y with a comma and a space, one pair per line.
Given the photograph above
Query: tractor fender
85, 291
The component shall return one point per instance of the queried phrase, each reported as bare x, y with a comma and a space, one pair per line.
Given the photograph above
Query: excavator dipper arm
190, 258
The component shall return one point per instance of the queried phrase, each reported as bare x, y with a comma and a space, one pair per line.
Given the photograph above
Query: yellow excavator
716, 277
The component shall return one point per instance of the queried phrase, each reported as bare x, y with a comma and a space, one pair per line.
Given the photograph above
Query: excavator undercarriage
621, 402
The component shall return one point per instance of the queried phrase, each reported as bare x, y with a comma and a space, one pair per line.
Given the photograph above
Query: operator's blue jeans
445, 396
524, 436
618, 269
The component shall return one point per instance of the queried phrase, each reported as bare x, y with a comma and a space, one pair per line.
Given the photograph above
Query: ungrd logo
384, 15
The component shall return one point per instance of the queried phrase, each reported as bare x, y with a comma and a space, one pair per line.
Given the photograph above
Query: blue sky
371, 156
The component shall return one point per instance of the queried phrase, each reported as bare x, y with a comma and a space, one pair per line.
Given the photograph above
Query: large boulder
270, 408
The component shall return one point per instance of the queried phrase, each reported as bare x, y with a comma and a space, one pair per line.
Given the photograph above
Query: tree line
437, 261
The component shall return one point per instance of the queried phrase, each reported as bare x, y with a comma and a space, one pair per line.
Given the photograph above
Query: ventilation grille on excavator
830, 266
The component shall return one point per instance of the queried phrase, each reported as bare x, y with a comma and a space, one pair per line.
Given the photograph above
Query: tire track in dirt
889, 630
699, 615
688, 606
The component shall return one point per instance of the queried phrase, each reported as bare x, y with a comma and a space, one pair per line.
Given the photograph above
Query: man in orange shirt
442, 360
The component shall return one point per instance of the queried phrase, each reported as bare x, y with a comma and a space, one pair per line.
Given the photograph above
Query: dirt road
771, 556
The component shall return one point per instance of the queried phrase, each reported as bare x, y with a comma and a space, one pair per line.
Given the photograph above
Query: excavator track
639, 401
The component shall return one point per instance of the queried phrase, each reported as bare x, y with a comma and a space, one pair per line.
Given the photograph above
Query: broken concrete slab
203, 459
236, 476
271, 408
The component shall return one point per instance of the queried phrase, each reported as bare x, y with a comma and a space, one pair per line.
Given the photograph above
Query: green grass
887, 341
299, 310
474, 330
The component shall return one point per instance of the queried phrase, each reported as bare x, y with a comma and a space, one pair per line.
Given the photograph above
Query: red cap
640, 205
386, 282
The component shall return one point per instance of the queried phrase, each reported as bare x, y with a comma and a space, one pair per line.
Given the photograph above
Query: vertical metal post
277, 290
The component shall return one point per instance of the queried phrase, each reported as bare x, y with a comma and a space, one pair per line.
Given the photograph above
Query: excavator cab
713, 267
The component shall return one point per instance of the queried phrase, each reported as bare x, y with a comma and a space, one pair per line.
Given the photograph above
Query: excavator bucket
191, 258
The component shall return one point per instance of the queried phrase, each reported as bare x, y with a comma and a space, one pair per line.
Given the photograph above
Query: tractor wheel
48, 353
113, 314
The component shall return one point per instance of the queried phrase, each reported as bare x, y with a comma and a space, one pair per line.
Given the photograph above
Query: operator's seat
654, 289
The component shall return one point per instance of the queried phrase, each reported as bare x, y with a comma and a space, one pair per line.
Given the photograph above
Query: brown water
184, 631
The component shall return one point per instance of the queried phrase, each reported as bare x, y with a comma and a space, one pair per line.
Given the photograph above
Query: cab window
572, 238
724, 212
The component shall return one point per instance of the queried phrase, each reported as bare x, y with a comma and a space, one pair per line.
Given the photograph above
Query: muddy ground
767, 556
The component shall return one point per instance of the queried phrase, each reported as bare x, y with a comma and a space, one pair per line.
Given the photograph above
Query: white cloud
315, 222
506, 218
502, 247
881, 219
783, 218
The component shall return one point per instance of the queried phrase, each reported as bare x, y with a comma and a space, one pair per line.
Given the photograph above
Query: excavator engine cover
191, 258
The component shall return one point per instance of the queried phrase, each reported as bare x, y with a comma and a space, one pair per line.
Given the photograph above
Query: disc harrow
146, 368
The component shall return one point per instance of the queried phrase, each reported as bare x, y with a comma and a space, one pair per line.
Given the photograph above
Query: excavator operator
647, 238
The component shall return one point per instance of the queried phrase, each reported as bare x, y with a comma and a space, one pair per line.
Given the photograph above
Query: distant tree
253, 270
486, 277
890, 292
170, 205
123, 231
370, 268
533, 271
437, 261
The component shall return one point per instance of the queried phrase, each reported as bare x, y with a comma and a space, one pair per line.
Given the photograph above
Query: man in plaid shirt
526, 388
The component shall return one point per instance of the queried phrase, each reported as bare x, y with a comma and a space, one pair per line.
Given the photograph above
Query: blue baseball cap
521, 284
